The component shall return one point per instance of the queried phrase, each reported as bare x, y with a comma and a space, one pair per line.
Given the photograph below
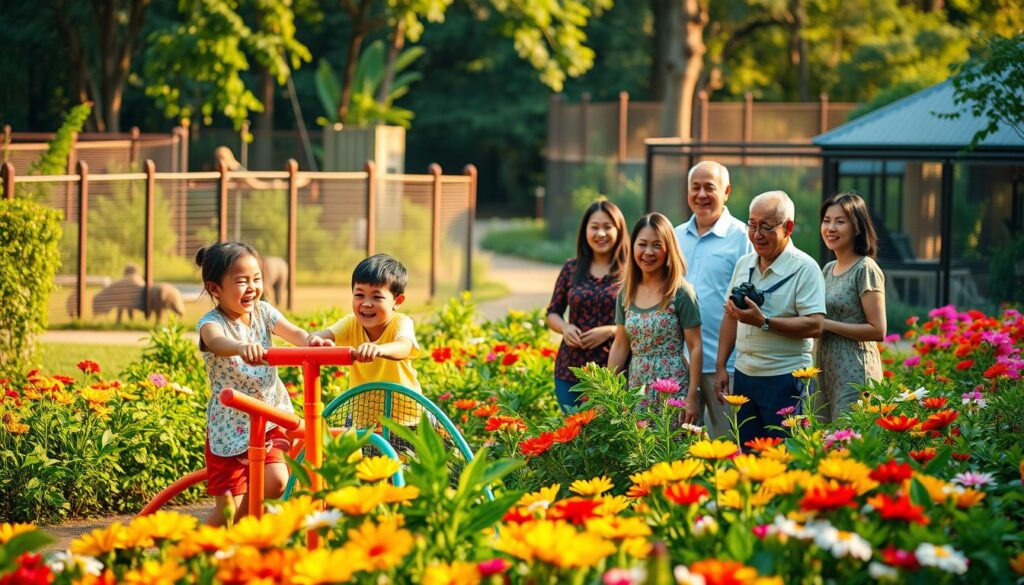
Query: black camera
749, 291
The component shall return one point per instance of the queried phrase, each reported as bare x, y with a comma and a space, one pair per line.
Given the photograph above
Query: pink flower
158, 380
761, 530
676, 402
665, 386
892, 338
973, 479
492, 356
619, 576
912, 361
642, 424
494, 566
445, 396
786, 411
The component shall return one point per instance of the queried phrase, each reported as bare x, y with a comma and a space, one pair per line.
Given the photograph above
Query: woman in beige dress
855, 304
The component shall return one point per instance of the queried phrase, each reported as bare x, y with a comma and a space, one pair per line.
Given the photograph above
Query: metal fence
319, 223
106, 153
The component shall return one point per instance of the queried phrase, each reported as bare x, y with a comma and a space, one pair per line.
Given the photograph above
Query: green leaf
106, 438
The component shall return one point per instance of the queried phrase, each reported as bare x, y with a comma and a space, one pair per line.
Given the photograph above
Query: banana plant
365, 109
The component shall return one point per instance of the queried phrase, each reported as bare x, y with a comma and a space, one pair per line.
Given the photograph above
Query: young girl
588, 285
855, 304
233, 338
656, 311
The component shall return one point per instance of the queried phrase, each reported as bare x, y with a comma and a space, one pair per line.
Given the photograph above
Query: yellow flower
612, 505
730, 499
769, 581
548, 540
99, 541
718, 449
256, 567
725, 479
548, 495
377, 468
787, 482
161, 525
512, 541
937, 488
617, 528
1017, 563
260, 533
778, 453
638, 548
355, 457
9, 531
850, 471
806, 373
592, 487
762, 497
679, 470
355, 501
14, 424
736, 400
383, 545
323, 566
398, 495
155, 573
94, 395
646, 479
757, 469
968, 497
457, 573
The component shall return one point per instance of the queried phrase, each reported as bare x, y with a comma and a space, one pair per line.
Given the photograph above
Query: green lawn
60, 358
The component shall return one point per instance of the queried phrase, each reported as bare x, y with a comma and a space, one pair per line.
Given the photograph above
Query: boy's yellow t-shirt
369, 407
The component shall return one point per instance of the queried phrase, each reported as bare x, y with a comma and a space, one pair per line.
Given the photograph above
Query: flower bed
919, 482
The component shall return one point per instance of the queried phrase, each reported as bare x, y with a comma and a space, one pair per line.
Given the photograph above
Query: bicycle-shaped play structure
357, 407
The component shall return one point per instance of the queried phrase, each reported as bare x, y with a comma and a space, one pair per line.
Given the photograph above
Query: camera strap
775, 286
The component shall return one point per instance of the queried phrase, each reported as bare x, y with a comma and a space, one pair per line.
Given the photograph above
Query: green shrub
29, 256
173, 355
528, 239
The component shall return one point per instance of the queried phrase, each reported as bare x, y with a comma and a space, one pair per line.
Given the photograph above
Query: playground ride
354, 408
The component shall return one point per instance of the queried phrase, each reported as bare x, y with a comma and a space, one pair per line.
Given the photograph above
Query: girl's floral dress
656, 338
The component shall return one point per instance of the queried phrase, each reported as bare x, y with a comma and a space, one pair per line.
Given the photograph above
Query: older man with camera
775, 308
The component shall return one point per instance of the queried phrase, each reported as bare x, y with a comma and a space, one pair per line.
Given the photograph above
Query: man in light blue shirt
712, 240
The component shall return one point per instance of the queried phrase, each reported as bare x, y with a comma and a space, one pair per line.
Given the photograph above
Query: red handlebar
312, 356
248, 404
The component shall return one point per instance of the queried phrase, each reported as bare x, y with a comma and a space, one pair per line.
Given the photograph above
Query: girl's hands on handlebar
251, 353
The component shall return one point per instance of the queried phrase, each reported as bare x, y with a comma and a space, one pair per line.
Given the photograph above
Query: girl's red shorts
230, 475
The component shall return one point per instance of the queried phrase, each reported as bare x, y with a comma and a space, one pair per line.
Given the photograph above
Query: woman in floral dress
656, 313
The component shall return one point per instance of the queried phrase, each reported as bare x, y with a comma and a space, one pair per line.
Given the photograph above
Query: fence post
748, 123
584, 132
435, 229
184, 147
222, 202
371, 207
150, 192
470, 171
702, 101
83, 231
243, 145
69, 196
7, 174
293, 222
133, 149
823, 113
623, 125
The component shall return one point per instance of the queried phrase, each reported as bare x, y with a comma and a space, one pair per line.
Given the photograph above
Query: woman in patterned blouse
588, 285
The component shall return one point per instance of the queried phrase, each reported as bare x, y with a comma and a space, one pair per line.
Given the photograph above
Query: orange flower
763, 443
827, 497
716, 572
575, 510
465, 404
581, 418
924, 455
897, 424
486, 411
505, 423
537, 445
900, 508
685, 494
934, 402
883, 409
892, 472
567, 433
939, 420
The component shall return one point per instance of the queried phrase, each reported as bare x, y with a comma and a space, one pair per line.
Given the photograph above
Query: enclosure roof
910, 123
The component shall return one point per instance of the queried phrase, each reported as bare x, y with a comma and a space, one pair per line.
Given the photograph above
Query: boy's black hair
382, 270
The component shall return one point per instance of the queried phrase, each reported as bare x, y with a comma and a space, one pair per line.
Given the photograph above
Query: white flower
539, 505
783, 525
692, 429
906, 395
476, 340
321, 519
685, 577
527, 325
883, 572
66, 561
225, 553
943, 557
181, 389
704, 524
273, 508
842, 544
620, 575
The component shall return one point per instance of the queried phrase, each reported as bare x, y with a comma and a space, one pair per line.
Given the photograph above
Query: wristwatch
767, 323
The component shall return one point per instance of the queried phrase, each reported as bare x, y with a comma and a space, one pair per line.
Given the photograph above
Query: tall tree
683, 62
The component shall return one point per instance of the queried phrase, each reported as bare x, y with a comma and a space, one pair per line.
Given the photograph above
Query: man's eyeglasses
765, 229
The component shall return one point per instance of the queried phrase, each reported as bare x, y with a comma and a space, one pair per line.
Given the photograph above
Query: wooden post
150, 192
371, 207
222, 202
184, 147
823, 113
470, 170
7, 174
435, 230
293, 222
83, 231
748, 122
621, 153
584, 131
705, 114
133, 149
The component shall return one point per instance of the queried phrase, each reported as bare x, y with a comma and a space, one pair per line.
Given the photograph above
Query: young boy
375, 331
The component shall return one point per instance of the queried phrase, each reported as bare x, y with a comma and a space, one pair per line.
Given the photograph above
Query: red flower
996, 370
581, 418
685, 494
924, 455
934, 402
518, 515
965, 365
495, 566
897, 424
537, 445
66, 380
465, 404
89, 367
548, 352
828, 498
961, 456
940, 420
441, 354
505, 423
509, 359
762, 443
911, 320
500, 348
486, 411
892, 472
888, 373
904, 559
898, 509
575, 510
567, 433
30, 570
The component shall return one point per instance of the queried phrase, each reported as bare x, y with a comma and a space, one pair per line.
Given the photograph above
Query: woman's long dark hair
865, 238
620, 250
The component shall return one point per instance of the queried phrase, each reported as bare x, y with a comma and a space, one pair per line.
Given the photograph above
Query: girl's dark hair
865, 238
216, 259
620, 250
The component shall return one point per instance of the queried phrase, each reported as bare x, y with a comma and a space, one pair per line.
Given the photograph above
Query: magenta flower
158, 380
676, 402
665, 386
912, 361
786, 411
973, 479
494, 566
892, 338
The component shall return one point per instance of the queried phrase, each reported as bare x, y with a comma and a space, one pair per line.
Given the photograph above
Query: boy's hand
366, 352
251, 353
316, 341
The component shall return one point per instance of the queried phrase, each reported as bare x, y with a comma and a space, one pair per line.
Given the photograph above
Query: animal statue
275, 277
129, 294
